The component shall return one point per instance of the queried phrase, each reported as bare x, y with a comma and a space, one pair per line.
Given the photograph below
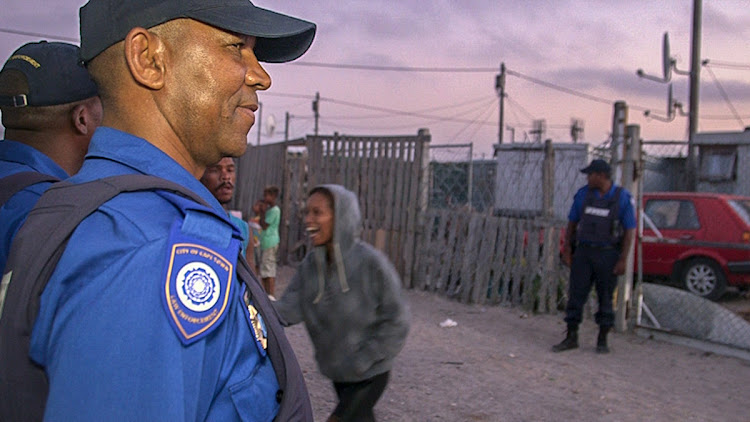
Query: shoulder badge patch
197, 285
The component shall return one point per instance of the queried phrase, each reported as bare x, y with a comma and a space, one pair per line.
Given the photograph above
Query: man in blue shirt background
600, 232
50, 109
220, 180
147, 295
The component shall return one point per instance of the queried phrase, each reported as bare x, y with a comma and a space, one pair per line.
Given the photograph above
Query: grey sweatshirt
352, 306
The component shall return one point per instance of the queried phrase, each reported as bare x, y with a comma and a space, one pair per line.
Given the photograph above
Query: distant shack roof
723, 138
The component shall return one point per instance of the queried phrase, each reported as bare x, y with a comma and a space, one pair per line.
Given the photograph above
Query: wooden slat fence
386, 173
479, 258
470, 257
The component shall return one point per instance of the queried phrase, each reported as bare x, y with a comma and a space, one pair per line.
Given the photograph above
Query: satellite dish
270, 125
666, 59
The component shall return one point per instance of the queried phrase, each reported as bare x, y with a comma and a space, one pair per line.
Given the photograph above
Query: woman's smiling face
319, 218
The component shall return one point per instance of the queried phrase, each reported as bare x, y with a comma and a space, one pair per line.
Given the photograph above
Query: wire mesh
457, 180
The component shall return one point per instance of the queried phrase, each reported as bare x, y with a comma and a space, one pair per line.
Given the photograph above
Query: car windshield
742, 208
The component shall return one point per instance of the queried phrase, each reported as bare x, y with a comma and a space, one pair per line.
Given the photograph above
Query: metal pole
471, 175
259, 123
695, 69
316, 107
630, 182
500, 88
286, 127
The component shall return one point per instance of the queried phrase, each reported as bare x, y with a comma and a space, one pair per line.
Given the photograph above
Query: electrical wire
727, 65
397, 68
724, 95
38, 35
426, 110
484, 120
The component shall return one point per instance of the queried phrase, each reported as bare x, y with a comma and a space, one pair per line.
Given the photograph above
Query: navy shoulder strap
11, 185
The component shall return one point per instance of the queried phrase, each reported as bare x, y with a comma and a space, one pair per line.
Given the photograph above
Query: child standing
270, 218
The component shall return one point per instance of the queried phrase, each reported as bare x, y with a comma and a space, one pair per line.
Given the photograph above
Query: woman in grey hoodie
349, 296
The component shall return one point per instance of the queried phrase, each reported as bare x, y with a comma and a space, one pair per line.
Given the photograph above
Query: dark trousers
357, 399
592, 266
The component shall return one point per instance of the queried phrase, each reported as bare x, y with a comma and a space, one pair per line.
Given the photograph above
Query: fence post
629, 182
619, 120
548, 209
419, 195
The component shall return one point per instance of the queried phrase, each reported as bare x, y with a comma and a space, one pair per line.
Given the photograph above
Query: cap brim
280, 38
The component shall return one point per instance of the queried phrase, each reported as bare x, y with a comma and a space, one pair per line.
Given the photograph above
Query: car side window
673, 214
663, 213
687, 219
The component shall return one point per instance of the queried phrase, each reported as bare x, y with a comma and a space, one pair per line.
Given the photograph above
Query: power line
390, 110
727, 65
450, 106
484, 116
397, 68
37, 35
724, 95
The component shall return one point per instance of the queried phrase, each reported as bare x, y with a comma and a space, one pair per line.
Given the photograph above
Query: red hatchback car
701, 240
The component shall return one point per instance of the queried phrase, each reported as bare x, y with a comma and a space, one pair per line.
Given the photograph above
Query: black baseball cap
53, 74
280, 38
597, 166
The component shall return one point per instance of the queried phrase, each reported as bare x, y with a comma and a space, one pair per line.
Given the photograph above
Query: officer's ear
144, 53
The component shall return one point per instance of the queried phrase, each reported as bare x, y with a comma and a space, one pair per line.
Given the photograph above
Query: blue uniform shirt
16, 157
108, 345
244, 229
626, 214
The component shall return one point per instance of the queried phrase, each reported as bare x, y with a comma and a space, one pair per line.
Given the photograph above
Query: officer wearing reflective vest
601, 228
149, 315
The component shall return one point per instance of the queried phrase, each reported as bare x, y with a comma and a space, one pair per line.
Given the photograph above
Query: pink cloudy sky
590, 49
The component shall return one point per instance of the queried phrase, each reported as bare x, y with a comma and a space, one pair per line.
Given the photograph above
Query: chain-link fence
679, 312
664, 166
457, 180
517, 186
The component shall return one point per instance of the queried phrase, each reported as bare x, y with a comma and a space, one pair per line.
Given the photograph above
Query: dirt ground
496, 365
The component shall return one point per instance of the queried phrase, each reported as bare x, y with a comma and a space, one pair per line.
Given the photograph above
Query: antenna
576, 129
539, 128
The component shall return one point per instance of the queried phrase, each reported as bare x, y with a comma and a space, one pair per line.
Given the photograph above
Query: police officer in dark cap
148, 316
600, 232
50, 110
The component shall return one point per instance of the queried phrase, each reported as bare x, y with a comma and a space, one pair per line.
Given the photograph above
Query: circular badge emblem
198, 286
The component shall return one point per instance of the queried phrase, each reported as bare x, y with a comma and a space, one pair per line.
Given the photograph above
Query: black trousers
592, 266
357, 399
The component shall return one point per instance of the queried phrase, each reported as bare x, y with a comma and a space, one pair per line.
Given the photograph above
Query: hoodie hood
347, 226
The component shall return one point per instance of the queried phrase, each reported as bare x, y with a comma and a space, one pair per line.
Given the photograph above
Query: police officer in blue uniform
144, 317
50, 109
601, 228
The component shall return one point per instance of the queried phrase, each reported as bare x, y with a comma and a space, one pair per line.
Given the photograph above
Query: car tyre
704, 278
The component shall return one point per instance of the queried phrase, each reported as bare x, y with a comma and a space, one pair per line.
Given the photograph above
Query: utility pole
500, 88
315, 108
695, 69
286, 127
